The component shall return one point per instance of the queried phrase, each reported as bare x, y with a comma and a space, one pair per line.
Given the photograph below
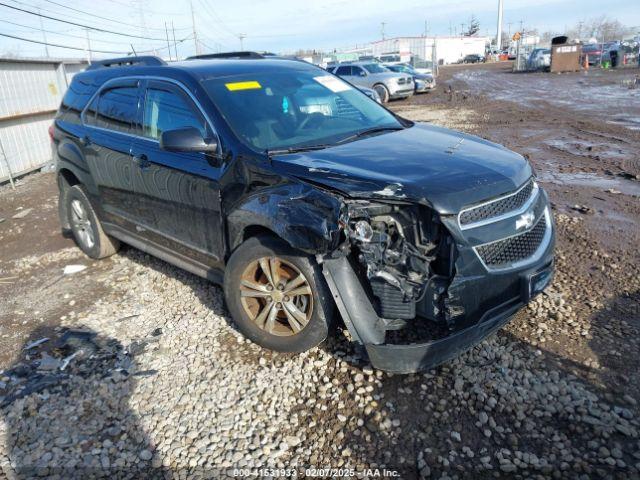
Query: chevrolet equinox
303, 198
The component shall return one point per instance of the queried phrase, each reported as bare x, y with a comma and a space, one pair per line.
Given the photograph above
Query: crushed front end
418, 288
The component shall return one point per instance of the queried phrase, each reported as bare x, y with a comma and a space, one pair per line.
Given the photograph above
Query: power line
80, 24
70, 35
85, 49
93, 14
59, 46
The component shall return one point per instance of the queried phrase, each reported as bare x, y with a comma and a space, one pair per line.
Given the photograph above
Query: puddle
592, 180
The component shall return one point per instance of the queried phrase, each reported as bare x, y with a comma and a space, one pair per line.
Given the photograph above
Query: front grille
514, 249
498, 207
402, 81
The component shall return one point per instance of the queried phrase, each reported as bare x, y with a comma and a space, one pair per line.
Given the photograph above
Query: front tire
85, 226
382, 91
277, 296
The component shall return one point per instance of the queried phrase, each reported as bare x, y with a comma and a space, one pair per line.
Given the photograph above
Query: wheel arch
304, 217
66, 179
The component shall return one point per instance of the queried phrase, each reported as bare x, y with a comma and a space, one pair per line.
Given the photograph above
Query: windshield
290, 108
375, 68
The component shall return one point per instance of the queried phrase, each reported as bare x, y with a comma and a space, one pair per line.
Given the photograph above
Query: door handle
141, 160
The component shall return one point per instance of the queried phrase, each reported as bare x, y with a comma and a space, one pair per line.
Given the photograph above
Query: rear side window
167, 110
116, 110
343, 71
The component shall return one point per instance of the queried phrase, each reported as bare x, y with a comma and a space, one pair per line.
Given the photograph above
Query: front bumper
365, 326
480, 299
401, 91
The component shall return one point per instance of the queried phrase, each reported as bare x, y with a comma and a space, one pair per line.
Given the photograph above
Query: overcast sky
277, 25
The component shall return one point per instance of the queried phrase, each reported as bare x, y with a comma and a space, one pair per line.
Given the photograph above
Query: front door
111, 125
178, 193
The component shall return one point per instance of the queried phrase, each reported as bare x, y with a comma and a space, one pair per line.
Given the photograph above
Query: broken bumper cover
363, 323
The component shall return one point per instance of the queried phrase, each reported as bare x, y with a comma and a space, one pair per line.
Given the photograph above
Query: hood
425, 164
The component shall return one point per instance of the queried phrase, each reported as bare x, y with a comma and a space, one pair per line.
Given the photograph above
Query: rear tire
382, 91
277, 295
85, 226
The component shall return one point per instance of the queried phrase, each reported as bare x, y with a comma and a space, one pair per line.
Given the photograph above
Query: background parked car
388, 84
539, 59
423, 81
473, 58
594, 52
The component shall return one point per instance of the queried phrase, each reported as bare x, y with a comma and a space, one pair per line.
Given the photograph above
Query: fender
303, 216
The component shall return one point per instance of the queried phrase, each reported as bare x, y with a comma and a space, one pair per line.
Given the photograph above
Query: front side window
167, 110
375, 68
282, 108
117, 109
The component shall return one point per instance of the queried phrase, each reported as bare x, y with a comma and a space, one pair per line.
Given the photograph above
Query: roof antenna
134, 50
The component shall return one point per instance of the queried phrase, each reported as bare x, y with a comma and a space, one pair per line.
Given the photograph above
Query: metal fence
30, 93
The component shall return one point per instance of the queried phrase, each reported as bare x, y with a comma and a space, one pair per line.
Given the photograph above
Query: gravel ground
158, 382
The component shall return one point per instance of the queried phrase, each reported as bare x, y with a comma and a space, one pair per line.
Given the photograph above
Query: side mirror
362, 73
188, 139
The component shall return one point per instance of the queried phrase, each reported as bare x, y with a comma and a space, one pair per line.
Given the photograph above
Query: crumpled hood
444, 169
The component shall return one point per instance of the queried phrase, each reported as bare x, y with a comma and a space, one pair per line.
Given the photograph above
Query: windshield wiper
369, 131
306, 148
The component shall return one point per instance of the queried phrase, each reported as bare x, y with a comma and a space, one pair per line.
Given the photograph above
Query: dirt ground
581, 133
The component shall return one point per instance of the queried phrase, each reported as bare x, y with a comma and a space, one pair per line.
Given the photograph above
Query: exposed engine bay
406, 254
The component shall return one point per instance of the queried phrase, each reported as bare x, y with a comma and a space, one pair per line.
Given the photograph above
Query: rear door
111, 122
178, 193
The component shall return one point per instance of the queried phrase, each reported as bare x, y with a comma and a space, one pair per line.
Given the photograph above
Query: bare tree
602, 28
474, 27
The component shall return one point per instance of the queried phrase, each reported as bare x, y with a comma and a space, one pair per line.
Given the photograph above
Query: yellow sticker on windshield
232, 87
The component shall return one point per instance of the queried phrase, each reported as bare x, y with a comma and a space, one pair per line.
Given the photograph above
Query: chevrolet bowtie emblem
525, 220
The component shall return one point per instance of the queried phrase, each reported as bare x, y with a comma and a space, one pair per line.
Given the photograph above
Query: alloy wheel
276, 296
81, 224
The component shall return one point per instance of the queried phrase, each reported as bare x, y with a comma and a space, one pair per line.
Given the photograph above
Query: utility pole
382, 24
450, 29
499, 32
426, 28
462, 29
175, 44
241, 37
88, 46
44, 35
166, 32
195, 32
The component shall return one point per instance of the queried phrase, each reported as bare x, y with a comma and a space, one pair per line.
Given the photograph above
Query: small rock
145, 455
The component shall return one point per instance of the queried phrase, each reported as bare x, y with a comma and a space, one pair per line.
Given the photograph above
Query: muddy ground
555, 394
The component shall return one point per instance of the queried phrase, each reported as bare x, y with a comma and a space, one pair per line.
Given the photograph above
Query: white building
416, 49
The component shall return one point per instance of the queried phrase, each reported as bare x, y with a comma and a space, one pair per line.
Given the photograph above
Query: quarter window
117, 109
343, 71
165, 110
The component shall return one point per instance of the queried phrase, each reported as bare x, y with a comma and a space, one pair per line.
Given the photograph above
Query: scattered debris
22, 213
36, 343
7, 280
71, 269
67, 360
47, 362
582, 209
2, 220
157, 332
613, 190
128, 317
145, 373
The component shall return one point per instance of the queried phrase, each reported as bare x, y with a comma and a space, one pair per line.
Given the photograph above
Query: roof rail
229, 55
146, 60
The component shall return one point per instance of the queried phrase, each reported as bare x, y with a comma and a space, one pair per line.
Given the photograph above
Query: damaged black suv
300, 195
